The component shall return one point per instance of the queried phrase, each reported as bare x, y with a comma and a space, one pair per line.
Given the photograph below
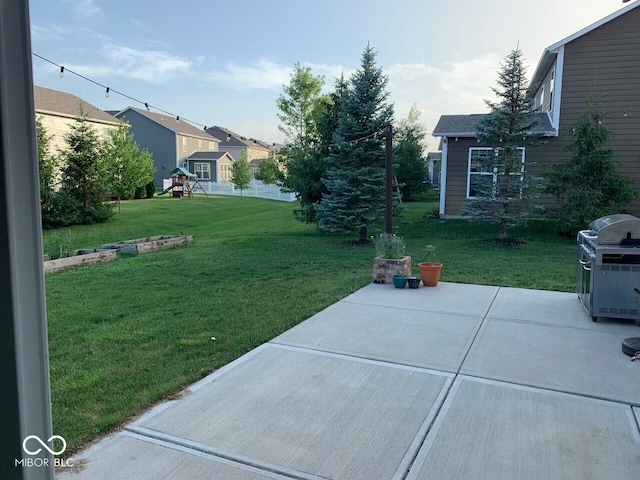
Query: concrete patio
453, 382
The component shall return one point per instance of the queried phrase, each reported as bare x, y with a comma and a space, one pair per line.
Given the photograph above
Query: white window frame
494, 174
202, 168
184, 144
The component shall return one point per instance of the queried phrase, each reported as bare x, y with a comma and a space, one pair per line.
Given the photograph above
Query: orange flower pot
430, 273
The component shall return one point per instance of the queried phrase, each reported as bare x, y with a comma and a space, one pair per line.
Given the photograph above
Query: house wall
538, 159
188, 145
605, 63
57, 126
160, 141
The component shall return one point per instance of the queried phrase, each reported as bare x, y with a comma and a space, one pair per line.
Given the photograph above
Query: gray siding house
211, 166
169, 140
601, 60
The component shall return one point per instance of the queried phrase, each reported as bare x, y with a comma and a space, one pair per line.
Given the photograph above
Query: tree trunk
503, 232
363, 235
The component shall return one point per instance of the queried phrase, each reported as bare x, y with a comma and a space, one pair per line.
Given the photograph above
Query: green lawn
124, 335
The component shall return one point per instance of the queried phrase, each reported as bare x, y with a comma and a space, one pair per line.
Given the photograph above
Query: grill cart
609, 267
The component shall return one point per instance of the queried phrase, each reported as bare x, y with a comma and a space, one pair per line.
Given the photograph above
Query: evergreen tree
505, 194
127, 167
409, 159
241, 172
586, 185
47, 164
355, 177
83, 175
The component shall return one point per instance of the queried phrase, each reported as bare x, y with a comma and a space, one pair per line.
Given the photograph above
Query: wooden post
389, 176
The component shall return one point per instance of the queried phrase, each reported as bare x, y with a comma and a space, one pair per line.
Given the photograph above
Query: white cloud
262, 75
84, 8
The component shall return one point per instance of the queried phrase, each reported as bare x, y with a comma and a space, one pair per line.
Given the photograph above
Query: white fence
256, 189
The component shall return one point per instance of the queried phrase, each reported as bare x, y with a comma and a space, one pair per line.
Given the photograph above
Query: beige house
235, 144
58, 112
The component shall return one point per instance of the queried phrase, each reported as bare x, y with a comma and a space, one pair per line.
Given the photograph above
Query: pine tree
586, 185
505, 195
355, 177
47, 164
83, 176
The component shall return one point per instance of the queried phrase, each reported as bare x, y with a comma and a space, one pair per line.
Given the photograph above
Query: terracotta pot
430, 273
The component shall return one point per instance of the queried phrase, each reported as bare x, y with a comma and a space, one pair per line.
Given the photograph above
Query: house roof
209, 156
67, 105
466, 125
181, 170
232, 139
182, 127
551, 52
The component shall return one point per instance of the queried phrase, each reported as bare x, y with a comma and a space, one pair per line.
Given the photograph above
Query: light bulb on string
61, 71
106, 93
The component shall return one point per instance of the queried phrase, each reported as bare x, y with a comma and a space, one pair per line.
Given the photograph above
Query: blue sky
224, 63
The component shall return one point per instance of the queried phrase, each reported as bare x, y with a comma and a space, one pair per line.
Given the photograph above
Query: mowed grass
124, 335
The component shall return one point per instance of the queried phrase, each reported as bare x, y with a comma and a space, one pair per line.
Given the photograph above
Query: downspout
557, 99
443, 175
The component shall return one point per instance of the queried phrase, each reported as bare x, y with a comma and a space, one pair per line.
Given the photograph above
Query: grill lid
618, 229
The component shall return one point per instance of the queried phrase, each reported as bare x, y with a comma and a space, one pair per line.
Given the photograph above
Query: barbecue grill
609, 267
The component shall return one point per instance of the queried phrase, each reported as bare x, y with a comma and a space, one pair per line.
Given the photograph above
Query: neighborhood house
603, 61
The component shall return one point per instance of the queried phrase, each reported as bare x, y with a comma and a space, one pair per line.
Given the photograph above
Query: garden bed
83, 257
150, 244
110, 252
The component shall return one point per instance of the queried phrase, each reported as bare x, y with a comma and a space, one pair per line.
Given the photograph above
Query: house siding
157, 139
605, 63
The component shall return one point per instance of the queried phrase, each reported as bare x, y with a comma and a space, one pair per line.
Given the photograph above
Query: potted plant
390, 259
429, 270
399, 281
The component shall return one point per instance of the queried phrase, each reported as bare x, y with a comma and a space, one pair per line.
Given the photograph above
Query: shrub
389, 245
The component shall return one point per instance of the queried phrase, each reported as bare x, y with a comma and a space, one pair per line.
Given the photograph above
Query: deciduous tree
127, 166
409, 158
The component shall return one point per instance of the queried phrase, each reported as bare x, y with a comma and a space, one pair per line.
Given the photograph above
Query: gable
54, 102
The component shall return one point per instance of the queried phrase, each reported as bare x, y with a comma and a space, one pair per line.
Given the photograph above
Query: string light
108, 90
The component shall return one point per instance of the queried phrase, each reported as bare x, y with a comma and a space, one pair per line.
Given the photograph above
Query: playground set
183, 181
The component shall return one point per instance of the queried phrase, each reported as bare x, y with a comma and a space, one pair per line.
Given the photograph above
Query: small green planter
399, 281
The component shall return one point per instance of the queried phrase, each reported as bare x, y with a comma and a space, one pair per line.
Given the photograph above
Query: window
184, 144
483, 171
212, 147
202, 170
199, 144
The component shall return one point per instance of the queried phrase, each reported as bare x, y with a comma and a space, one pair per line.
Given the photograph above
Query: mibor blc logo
33, 445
